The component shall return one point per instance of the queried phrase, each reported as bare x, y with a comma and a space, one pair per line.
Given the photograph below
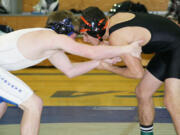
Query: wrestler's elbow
69, 74
138, 74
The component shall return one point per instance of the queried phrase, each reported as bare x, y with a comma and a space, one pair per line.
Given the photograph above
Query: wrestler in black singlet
164, 42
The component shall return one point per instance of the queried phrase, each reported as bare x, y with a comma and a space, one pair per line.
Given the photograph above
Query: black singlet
165, 42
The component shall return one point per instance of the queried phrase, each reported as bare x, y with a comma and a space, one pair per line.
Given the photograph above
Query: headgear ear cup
63, 27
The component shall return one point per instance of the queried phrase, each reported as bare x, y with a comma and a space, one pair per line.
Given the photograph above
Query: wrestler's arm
62, 62
133, 67
92, 52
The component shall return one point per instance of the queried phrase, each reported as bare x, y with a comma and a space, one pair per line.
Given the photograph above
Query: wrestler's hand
103, 65
135, 48
112, 60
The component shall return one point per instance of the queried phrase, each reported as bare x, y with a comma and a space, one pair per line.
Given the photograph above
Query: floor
96, 103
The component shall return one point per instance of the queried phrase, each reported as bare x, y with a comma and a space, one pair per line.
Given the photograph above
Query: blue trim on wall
56, 114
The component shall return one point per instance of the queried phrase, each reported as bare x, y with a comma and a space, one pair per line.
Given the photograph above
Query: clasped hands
133, 49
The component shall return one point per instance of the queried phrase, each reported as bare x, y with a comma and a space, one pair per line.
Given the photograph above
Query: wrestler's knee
140, 94
171, 103
172, 94
33, 104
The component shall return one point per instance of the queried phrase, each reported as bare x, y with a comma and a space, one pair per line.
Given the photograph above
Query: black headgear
63, 27
95, 28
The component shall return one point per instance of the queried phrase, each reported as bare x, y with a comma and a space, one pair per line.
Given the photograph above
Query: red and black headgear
94, 22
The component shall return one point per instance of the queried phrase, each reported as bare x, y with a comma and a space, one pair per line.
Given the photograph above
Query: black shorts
166, 64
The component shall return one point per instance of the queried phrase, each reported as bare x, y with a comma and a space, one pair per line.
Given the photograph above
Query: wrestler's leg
31, 116
15, 91
172, 100
3, 108
144, 91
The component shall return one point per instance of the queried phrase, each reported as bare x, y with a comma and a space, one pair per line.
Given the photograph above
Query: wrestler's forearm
123, 71
105, 52
81, 68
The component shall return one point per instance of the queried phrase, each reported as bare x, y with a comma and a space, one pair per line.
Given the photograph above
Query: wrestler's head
93, 25
63, 22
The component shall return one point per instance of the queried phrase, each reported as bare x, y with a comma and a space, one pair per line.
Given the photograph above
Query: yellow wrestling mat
96, 88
